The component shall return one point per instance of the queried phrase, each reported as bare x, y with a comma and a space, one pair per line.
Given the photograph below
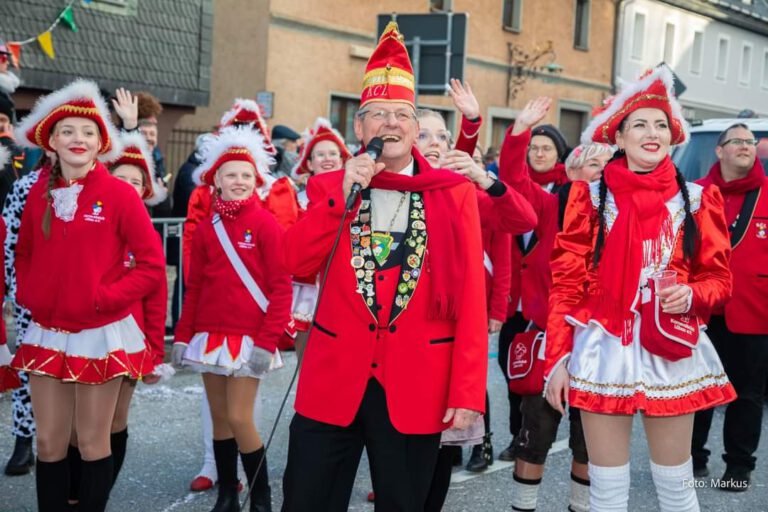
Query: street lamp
524, 65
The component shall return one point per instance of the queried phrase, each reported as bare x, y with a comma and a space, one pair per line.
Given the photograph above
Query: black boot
52, 480
95, 484
482, 455
75, 463
118, 441
22, 459
225, 453
261, 494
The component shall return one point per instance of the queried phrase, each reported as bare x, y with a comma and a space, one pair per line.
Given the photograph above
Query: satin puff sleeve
571, 257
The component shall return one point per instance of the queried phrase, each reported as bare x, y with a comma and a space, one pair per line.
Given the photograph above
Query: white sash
238, 264
488, 263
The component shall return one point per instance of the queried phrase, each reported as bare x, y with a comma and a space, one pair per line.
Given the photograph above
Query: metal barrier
172, 229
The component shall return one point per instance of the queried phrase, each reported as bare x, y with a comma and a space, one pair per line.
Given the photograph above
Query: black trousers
513, 326
745, 359
323, 460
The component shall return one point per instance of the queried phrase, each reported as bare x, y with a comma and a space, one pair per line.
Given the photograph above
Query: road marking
498, 465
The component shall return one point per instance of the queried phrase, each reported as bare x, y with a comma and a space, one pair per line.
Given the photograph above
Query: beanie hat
548, 130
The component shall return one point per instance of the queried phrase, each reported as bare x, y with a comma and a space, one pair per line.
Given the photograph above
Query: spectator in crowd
287, 142
20, 160
9, 82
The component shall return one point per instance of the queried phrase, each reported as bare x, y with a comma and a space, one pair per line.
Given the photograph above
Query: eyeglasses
401, 116
426, 136
740, 142
543, 149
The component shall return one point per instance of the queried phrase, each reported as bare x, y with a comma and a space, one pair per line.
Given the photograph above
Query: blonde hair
585, 152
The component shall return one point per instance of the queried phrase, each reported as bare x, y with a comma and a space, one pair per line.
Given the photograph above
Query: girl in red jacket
621, 337
236, 307
9, 379
76, 228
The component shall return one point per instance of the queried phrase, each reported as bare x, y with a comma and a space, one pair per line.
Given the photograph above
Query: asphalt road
164, 453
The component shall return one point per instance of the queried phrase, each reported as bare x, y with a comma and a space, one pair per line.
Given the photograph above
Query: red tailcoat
747, 311
424, 365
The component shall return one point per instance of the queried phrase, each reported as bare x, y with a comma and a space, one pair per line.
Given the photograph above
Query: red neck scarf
555, 175
740, 186
635, 240
446, 234
231, 209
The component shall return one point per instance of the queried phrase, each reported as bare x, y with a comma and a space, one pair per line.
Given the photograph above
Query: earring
218, 190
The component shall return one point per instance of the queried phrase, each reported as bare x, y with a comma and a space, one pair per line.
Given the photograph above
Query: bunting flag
46, 43
45, 38
68, 17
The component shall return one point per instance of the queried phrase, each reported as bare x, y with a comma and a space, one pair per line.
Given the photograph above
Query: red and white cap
136, 152
389, 73
655, 89
248, 112
322, 130
238, 143
80, 98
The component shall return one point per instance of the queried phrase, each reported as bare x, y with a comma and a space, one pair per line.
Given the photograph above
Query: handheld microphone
373, 149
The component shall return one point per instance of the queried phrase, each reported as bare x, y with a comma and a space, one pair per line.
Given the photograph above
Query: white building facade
718, 49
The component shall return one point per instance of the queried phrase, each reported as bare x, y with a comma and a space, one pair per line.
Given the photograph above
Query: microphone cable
320, 290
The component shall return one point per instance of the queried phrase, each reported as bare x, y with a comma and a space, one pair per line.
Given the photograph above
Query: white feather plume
80, 88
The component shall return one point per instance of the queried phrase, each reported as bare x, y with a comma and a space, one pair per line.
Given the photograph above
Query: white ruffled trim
80, 88
221, 362
662, 73
96, 343
65, 201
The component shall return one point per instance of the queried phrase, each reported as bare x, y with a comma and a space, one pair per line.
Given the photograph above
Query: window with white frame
512, 16
697, 51
722, 58
638, 36
669, 43
745, 65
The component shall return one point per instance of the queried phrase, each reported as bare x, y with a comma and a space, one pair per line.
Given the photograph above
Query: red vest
747, 311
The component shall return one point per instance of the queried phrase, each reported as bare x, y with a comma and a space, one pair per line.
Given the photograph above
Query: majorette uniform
305, 287
150, 311
9, 379
610, 371
74, 282
221, 322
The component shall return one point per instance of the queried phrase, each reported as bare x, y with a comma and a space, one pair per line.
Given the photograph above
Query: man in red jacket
739, 331
398, 352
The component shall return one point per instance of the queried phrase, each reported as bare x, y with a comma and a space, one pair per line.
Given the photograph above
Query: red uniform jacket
531, 275
575, 279
199, 209
216, 299
151, 311
424, 365
747, 311
76, 278
497, 246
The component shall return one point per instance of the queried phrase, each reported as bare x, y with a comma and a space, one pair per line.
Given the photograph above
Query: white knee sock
674, 487
209, 463
608, 488
525, 493
579, 500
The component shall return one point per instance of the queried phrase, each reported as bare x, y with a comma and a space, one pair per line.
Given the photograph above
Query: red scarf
446, 234
555, 175
635, 240
734, 191
230, 209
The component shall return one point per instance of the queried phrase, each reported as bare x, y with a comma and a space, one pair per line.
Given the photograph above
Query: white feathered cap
136, 152
5, 156
233, 143
322, 130
248, 112
80, 98
655, 89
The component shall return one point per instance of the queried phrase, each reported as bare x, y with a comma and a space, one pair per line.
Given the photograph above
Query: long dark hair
55, 173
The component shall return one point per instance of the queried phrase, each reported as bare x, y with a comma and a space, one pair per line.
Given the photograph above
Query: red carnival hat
655, 89
389, 74
136, 152
246, 111
233, 143
322, 130
80, 98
